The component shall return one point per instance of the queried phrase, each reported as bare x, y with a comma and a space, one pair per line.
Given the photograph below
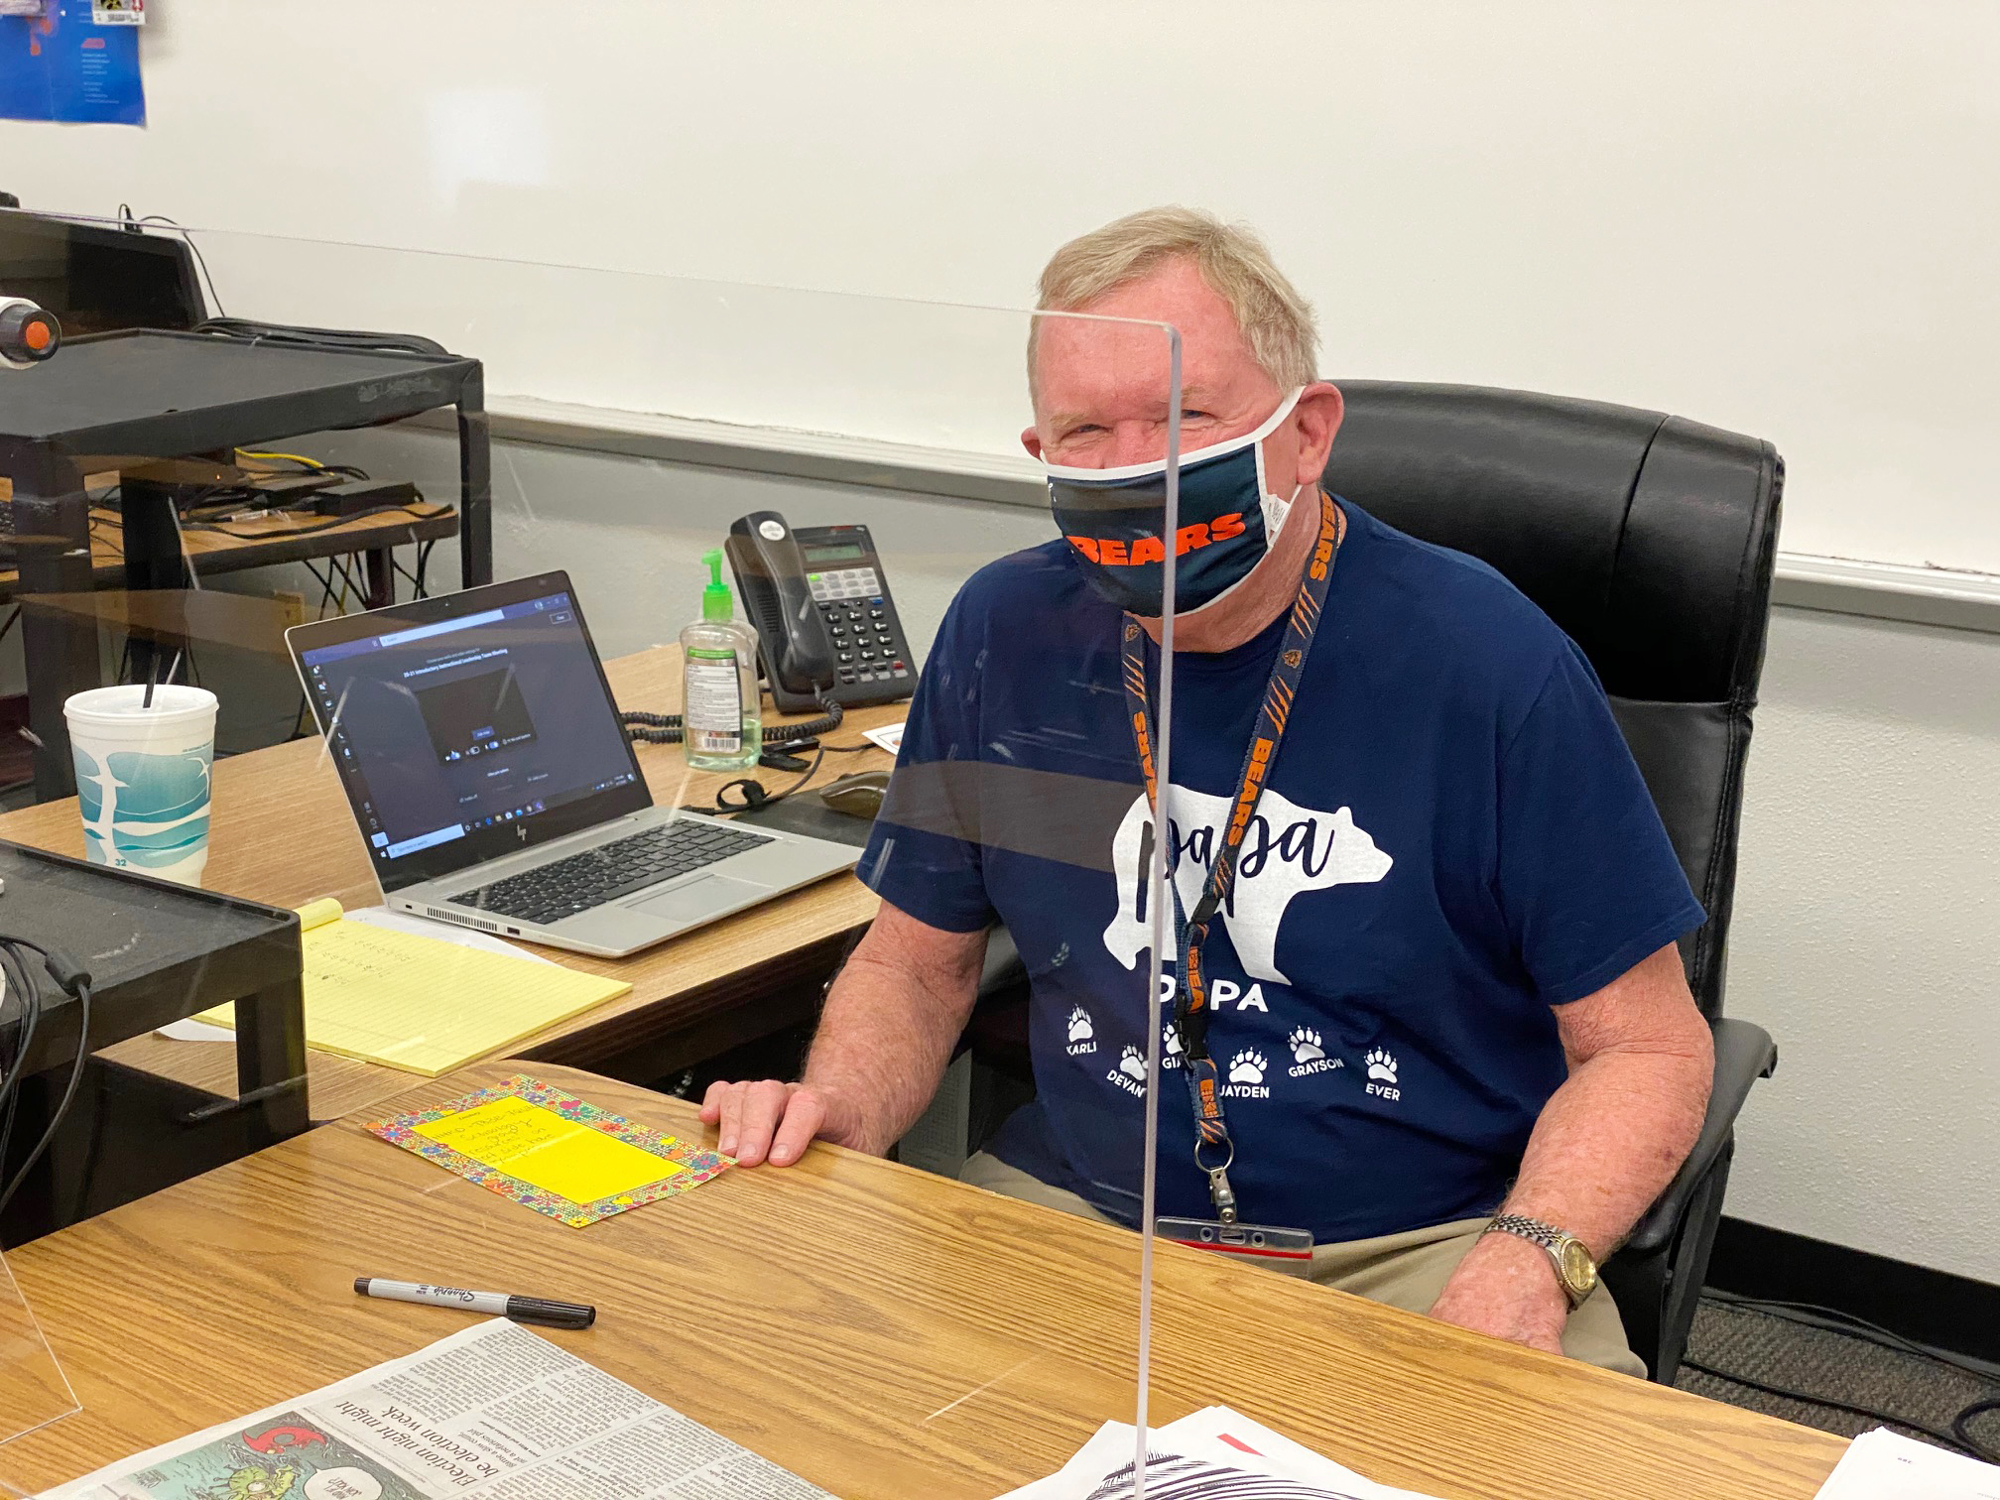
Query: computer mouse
858, 796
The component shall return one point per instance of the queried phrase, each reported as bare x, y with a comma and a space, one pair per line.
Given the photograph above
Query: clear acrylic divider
33, 1389
618, 427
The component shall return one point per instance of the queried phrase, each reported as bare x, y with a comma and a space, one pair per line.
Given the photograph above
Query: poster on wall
62, 65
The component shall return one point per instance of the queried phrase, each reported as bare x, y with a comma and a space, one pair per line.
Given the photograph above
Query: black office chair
1650, 540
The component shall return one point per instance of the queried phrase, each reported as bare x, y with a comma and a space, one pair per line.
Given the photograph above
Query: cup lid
125, 703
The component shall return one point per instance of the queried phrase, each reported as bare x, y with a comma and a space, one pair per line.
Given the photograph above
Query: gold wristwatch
1576, 1270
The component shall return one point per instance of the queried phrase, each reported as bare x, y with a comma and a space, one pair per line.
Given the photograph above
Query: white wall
1867, 939
1775, 217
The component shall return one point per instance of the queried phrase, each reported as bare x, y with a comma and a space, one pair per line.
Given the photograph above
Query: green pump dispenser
717, 603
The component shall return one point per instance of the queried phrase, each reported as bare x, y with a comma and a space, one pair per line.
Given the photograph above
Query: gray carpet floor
1781, 1352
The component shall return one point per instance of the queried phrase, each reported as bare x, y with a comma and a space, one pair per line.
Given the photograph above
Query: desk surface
282, 834
882, 1332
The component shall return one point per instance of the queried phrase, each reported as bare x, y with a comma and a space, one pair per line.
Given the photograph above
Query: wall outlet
291, 606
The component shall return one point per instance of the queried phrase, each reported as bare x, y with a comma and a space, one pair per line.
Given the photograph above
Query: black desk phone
826, 625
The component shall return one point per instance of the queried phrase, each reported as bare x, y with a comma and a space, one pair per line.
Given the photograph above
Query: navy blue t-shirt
1454, 839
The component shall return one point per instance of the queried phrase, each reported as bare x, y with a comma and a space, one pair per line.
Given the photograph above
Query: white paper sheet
889, 737
1885, 1465
1218, 1445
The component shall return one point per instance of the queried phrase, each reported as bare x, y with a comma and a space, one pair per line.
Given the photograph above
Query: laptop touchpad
701, 898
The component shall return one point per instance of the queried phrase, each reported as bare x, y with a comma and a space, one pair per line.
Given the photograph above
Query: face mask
1114, 518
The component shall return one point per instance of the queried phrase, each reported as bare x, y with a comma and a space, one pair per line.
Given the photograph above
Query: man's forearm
885, 1038
1610, 1140
1641, 1064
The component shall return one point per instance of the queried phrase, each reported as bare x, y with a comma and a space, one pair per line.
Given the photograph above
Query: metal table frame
51, 511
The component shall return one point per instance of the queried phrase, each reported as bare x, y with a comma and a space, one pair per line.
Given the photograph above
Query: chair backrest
1649, 539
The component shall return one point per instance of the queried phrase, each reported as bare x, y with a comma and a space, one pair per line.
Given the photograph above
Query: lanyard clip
1221, 1195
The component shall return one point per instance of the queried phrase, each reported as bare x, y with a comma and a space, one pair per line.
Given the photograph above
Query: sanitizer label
713, 717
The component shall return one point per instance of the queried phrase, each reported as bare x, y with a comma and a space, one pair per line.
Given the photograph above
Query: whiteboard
1775, 217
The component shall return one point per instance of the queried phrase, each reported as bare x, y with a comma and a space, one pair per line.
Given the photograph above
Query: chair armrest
1743, 1054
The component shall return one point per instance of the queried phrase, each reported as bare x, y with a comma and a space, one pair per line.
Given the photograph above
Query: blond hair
1232, 258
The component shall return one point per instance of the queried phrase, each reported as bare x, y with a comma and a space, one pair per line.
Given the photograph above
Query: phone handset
792, 640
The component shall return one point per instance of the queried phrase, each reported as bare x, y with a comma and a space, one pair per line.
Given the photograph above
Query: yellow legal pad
421, 1004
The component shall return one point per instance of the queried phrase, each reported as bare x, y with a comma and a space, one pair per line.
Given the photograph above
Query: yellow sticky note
546, 1151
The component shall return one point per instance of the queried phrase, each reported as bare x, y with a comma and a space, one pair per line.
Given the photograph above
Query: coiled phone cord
667, 729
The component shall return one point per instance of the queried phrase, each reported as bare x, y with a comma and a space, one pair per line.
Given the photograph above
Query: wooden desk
283, 834
882, 1332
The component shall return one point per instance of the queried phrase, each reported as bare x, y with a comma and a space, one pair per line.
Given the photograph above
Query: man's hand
884, 1039
1506, 1287
1607, 1142
775, 1122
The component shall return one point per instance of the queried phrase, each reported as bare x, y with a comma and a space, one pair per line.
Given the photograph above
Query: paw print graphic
1247, 1067
1080, 1029
1131, 1064
1173, 1038
1381, 1066
1305, 1044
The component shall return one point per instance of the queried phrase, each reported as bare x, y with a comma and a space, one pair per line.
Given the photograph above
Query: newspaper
1211, 1454
494, 1412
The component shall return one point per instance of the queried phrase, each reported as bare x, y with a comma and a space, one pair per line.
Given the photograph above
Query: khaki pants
1404, 1270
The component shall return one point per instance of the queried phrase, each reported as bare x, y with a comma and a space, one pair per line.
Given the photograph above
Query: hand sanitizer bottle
721, 711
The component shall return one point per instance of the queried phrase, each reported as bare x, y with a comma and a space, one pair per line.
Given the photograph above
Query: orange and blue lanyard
1192, 1009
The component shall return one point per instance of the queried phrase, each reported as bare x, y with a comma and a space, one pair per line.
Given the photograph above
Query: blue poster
63, 66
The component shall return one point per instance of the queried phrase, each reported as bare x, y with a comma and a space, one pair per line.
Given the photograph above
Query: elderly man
1506, 1066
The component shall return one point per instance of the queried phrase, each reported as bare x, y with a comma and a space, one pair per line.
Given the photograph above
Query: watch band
1556, 1243
1545, 1235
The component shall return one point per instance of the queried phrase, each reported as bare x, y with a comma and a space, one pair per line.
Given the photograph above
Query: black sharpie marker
496, 1304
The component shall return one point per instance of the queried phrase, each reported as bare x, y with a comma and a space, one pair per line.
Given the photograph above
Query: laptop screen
470, 727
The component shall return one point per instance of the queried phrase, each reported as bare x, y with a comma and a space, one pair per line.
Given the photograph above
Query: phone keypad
864, 643
868, 648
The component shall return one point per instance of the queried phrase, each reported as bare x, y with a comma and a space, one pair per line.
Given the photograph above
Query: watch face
1579, 1270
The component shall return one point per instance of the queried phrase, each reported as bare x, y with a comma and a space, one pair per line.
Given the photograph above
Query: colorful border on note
696, 1166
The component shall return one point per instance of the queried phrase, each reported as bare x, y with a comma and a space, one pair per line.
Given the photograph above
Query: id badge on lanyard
1214, 1150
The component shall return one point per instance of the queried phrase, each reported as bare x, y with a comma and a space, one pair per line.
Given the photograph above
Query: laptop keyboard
565, 887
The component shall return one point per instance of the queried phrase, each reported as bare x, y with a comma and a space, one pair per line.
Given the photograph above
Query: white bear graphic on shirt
1287, 850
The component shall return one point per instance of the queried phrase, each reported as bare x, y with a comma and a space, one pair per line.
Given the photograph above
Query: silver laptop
482, 756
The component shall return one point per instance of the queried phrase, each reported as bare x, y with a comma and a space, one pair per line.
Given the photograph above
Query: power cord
75, 982
668, 729
1958, 1437
754, 795
27, 999
127, 218
1833, 1320
355, 339
278, 333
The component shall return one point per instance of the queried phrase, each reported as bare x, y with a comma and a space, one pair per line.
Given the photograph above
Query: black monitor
97, 278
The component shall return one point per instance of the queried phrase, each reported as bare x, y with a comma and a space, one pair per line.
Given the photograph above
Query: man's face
1101, 389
